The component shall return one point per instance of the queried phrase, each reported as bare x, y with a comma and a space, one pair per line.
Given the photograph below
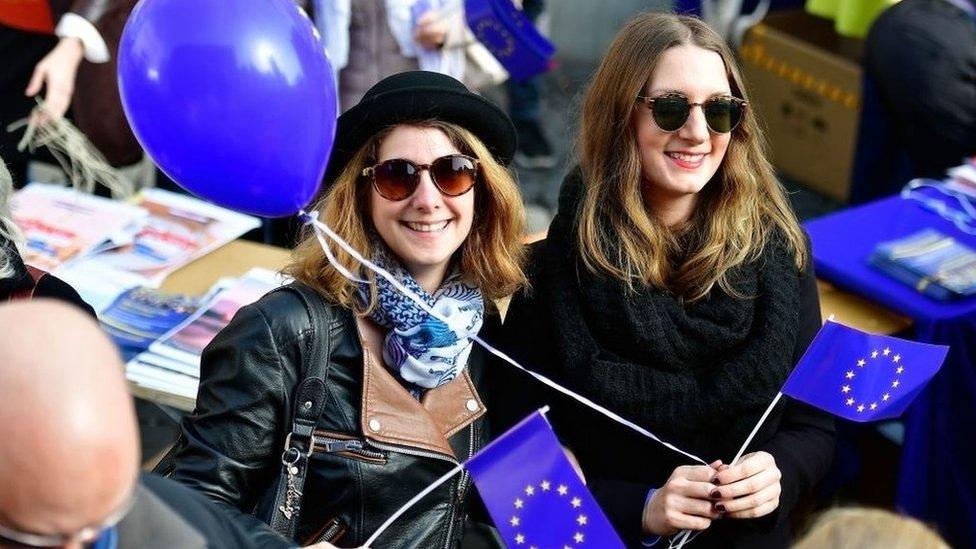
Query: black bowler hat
415, 96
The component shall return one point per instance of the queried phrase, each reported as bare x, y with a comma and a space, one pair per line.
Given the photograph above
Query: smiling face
677, 165
425, 229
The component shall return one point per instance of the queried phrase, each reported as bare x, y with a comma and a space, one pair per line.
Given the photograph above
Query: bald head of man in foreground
69, 449
69, 458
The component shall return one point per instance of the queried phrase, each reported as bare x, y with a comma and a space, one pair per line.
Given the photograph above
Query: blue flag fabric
533, 493
862, 377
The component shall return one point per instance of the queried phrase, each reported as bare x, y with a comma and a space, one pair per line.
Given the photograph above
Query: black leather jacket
375, 445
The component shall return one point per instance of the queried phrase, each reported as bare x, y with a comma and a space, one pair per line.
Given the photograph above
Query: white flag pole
755, 429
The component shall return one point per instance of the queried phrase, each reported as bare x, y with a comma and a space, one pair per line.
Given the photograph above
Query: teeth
686, 157
428, 227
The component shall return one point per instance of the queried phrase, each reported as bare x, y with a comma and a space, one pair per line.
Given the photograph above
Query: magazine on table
140, 316
177, 230
186, 342
164, 380
172, 362
933, 263
61, 224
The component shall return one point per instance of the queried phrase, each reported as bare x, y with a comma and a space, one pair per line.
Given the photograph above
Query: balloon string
320, 226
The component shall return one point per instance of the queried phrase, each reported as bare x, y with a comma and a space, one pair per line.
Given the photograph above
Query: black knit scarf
698, 375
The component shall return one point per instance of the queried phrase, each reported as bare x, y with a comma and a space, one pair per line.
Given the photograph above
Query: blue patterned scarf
422, 351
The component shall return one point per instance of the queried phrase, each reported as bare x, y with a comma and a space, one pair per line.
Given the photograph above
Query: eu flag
862, 377
533, 493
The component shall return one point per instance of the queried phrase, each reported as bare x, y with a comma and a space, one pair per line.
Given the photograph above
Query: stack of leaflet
140, 316
103, 247
934, 264
172, 363
61, 224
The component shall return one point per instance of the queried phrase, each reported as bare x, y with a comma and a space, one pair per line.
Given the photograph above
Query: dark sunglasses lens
722, 114
670, 113
395, 179
454, 175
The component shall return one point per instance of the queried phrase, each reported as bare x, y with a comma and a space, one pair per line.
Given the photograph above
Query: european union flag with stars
862, 377
533, 492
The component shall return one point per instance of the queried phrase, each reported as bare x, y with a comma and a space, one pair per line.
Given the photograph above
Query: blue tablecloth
937, 482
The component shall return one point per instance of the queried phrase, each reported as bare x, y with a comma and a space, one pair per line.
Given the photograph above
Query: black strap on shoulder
308, 401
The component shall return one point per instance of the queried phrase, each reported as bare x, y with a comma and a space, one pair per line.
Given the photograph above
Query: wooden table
234, 259
857, 312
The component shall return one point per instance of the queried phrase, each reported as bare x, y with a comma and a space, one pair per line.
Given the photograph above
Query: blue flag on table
533, 492
862, 377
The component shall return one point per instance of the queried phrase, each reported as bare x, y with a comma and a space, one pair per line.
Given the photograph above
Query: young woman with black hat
416, 183
675, 287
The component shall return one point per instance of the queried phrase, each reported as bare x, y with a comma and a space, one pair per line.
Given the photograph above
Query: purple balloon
235, 100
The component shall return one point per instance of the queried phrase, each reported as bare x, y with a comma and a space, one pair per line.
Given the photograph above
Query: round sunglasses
398, 179
671, 111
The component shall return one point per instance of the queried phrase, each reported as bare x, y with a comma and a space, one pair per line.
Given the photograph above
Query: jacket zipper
432, 455
412, 451
334, 445
331, 531
462, 488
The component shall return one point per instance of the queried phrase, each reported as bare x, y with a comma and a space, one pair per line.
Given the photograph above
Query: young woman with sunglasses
417, 183
675, 288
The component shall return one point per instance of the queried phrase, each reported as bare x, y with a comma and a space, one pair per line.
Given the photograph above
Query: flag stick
447, 476
544, 410
755, 429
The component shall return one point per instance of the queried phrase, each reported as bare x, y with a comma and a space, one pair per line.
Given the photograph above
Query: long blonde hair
864, 528
736, 211
490, 258
9, 232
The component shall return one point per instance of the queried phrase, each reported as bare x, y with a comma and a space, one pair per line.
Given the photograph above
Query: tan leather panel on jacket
391, 414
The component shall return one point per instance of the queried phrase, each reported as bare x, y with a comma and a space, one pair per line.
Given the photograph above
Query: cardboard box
805, 84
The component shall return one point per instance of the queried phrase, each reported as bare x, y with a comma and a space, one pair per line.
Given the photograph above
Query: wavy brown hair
737, 211
490, 258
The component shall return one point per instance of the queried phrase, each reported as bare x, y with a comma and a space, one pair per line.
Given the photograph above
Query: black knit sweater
696, 375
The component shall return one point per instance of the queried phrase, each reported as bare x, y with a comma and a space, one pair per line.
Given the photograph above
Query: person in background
69, 461
862, 528
41, 58
534, 149
676, 288
417, 183
919, 115
369, 40
17, 280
